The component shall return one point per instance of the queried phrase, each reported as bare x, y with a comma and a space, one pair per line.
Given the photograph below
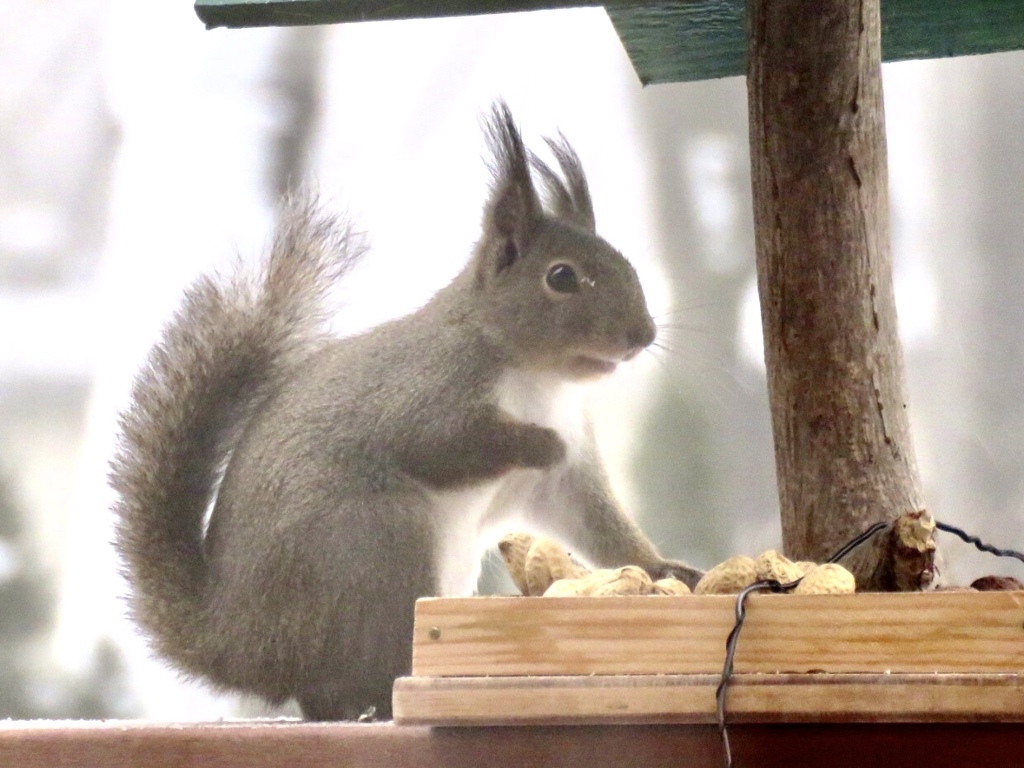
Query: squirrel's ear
513, 208
568, 197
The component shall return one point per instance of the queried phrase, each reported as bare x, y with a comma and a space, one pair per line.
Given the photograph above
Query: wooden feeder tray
942, 656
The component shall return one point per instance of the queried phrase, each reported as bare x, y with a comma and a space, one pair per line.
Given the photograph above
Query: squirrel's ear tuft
568, 194
513, 208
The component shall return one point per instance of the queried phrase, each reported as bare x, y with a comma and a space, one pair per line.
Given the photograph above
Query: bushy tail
230, 341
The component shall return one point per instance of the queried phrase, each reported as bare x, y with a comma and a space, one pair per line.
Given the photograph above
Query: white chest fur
468, 513
547, 401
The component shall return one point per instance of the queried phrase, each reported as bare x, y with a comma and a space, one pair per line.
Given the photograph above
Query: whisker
682, 327
666, 371
720, 373
689, 308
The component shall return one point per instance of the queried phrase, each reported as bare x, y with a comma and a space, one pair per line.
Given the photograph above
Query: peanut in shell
728, 577
670, 587
772, 564
569, 588
628, 580
547, 562
513, 548
827, 579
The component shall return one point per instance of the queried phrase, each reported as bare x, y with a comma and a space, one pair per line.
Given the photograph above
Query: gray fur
359, 473
570, 197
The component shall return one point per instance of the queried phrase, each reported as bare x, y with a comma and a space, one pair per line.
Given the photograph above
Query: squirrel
350, 476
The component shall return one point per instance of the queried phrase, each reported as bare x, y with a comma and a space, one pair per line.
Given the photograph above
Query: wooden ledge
947, 656
879, 633
304, 745
647, 699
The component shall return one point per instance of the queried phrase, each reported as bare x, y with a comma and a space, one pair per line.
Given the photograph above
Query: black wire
768, 585
978, 542
771, 585
847, 548
730, 655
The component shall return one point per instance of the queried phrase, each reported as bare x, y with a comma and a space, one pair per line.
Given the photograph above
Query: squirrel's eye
562, 278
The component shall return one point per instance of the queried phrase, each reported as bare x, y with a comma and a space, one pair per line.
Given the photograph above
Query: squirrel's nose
640, 337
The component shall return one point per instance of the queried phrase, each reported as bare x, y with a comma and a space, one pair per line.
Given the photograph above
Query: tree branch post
843, 448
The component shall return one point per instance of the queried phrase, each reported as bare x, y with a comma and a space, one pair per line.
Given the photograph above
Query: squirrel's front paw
676, 569
540, 448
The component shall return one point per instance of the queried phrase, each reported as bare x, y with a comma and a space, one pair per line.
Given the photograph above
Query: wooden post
843, 448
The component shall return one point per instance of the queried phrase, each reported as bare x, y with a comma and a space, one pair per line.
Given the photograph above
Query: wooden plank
624, 699
678, 41
338, 745
671, 40
262, 13
948, 632
681, 40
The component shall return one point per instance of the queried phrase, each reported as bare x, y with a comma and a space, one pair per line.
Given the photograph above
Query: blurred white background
139, 149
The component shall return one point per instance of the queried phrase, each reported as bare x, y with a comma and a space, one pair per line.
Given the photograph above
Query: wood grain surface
941, 632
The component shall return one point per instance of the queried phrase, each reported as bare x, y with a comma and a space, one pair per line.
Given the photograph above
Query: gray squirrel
350, 476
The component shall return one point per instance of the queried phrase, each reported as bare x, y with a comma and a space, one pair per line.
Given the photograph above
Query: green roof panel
671, 41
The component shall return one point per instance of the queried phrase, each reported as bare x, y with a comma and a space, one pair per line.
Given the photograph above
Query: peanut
569, 588
774, 565
670, 587
513, 548
827, 579
547, 562
628, 580
728, 577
